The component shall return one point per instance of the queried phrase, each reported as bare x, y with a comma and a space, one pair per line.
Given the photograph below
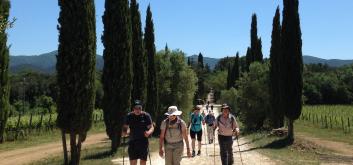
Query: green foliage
138, 55
117, 71
223, 63
253, 97
171, 70
323, 85
230, 97
218, 81
4, 67
76, 65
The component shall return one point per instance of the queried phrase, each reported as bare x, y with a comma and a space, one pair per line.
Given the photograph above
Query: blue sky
214, 28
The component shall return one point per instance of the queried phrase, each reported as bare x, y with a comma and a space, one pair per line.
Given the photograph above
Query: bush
253, 99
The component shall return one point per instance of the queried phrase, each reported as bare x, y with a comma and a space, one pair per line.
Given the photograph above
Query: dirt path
211, 156
339, 147
28, 155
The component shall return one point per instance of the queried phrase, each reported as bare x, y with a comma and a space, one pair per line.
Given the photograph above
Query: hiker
196, 129
209, 120
141, 127
227, 126
173, 131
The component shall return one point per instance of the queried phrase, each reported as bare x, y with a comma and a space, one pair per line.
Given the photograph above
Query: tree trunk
63, 138
114, 138
290, 130
73, 160
81, 138
2, 130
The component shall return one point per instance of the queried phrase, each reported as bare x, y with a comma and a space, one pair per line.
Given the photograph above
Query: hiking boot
193, 153
198, 153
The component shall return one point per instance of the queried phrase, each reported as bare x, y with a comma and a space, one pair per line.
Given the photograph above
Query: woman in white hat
173, 131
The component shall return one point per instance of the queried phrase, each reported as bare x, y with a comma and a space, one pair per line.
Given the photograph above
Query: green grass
44, 137
308, 129
96, 155
277, 149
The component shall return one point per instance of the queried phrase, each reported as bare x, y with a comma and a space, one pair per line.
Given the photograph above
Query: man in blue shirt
196, 129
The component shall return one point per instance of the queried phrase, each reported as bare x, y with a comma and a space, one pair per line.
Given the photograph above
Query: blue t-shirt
196, 122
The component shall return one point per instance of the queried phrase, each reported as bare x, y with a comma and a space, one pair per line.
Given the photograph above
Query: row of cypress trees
123, 73
126, 55
4, 68
286, 65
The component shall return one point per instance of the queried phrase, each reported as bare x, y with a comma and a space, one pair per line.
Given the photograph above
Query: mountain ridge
46, 62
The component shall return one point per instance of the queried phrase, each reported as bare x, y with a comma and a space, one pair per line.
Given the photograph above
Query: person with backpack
209, 120
195, 122
173, 132
141, 127
227, 127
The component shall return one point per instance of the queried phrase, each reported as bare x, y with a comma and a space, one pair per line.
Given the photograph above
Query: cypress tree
235, 71
138, 55
292, 69
259, 55
200, 61
255, 47
4, 67
76, 72
152, 90
248, 59
117, 70
189, 62
229, 79
277, 114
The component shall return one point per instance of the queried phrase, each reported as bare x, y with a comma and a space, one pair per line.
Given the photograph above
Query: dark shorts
199, 135
138, 149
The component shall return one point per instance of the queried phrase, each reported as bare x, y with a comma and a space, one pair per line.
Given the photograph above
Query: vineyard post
30, 122
326, 125
331, 122
349, 125
342, 124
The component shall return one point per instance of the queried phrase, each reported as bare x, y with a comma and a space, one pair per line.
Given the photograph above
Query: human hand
161, 153
147, 134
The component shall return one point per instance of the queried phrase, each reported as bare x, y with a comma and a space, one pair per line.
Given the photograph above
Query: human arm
150, 127
186, 139
161, 143
236, 129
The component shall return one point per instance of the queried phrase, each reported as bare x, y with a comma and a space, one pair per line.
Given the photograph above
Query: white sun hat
173, 110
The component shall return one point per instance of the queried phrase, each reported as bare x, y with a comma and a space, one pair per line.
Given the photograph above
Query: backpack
167, 126
231, 120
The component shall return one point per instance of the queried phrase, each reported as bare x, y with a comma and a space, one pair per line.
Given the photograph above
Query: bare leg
193, 144
142, 162
133, 162
199, 145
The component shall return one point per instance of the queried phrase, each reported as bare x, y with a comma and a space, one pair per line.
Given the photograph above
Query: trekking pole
241, 159
205, 127
123, 150
214, 151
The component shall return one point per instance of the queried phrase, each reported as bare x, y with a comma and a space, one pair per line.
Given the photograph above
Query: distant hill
331, 62
45, 63
206, 60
